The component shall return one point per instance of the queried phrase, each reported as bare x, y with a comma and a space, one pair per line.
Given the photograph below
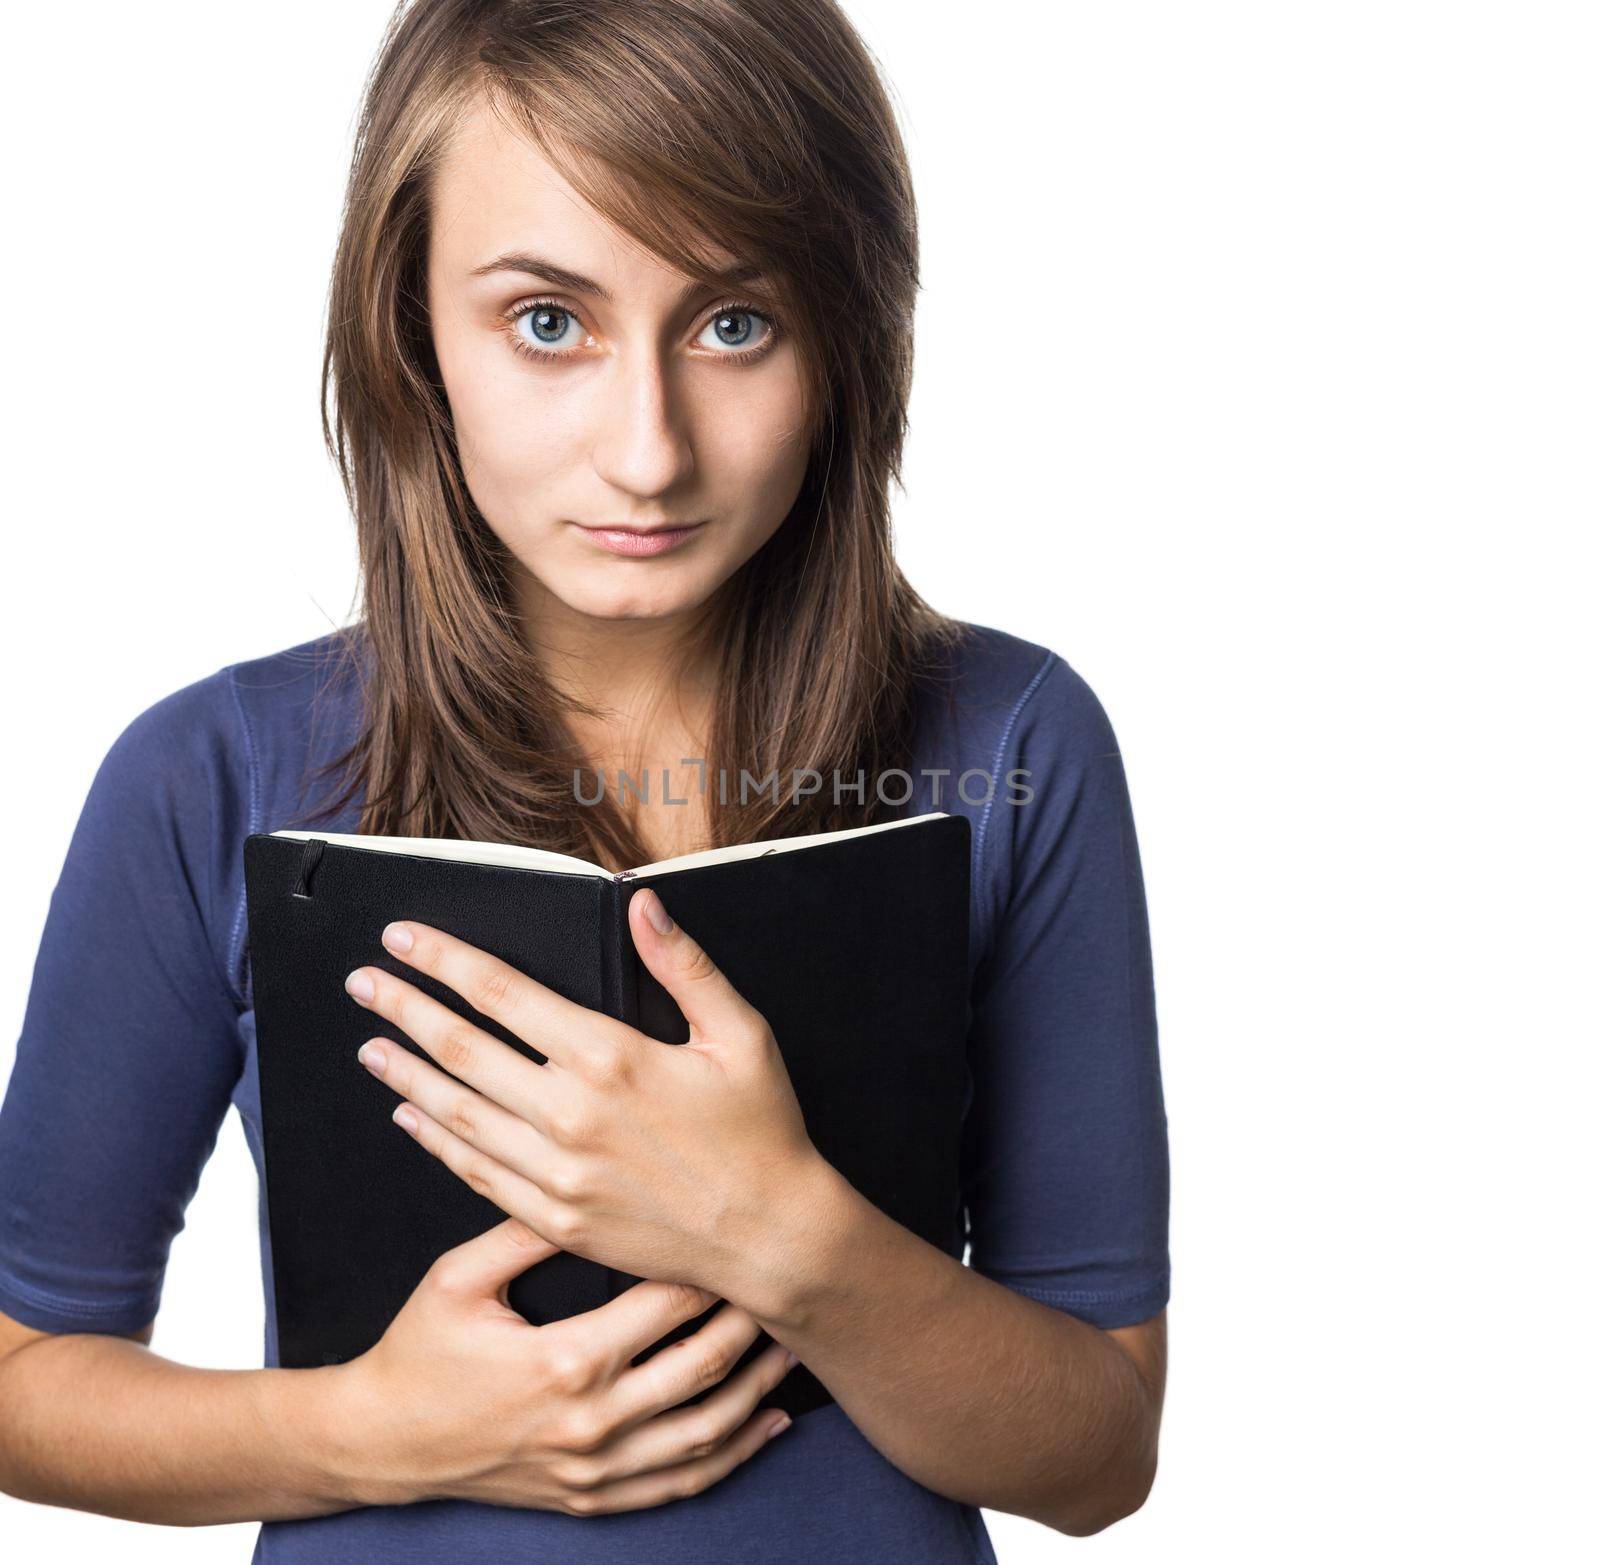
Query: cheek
496, 408
753, 448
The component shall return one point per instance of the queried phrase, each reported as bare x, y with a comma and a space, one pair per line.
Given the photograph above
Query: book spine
619, 962
619, 983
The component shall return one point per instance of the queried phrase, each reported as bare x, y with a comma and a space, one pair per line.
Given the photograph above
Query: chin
664, 594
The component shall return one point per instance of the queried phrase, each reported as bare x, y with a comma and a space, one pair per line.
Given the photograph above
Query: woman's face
592, 388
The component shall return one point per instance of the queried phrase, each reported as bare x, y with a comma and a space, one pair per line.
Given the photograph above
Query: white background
1257, 375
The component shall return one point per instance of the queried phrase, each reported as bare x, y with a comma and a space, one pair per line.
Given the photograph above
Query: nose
642, 445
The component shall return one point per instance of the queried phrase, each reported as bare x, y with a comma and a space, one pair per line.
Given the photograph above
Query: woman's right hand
463, 1399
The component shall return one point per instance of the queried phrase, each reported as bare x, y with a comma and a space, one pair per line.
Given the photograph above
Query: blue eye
734, 327
547, 324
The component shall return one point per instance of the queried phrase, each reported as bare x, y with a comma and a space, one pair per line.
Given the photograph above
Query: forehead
495, 190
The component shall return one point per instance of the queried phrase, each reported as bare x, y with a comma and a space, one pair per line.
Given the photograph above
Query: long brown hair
764, 125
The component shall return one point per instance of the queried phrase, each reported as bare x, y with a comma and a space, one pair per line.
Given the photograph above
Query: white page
756, 850
510, 856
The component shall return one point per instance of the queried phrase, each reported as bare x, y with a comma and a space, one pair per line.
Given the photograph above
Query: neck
635, 673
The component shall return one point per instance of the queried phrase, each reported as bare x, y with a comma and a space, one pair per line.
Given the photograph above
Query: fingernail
397, 937
656, 912
372, 1056
778, 1425
359, 986
789, 1359
405, 1119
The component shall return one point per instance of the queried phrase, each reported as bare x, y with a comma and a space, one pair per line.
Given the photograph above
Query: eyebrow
576, 282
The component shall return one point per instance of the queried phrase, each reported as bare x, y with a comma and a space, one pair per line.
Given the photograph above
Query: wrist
330, 1416
809, 1225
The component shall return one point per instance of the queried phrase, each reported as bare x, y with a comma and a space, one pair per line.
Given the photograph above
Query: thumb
710, 1004
484, 1265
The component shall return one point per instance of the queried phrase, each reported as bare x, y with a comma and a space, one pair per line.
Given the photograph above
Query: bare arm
972, 1389
164, 1442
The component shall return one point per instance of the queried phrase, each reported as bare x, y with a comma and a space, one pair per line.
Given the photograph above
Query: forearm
100, 1423
972, 1389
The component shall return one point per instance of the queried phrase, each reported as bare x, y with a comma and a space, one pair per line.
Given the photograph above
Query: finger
466, 1114
686, 1479
514, 1194
686, 1433
684, 1368
543, 1019
644, 1314
486, 1264
710, 1004
467, 1052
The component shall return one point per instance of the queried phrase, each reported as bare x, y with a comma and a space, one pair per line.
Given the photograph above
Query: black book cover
855, 951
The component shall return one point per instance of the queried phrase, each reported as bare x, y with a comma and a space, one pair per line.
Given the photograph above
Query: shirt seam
1094, 1295
1039, 673
253, 824
43, 1299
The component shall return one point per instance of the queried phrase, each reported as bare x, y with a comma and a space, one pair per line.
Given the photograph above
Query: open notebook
510, 856
852, 944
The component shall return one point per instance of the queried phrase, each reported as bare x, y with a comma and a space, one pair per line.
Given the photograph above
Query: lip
640, 542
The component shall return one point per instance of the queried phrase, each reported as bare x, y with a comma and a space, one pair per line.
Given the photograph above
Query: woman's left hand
666, 1161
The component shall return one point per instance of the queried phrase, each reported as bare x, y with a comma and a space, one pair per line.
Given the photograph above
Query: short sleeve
1065, 1161
129, 1049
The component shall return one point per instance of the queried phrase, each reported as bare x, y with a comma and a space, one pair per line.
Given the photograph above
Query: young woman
618, 357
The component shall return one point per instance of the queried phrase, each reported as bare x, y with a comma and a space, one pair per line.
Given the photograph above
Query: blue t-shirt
139, 1032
